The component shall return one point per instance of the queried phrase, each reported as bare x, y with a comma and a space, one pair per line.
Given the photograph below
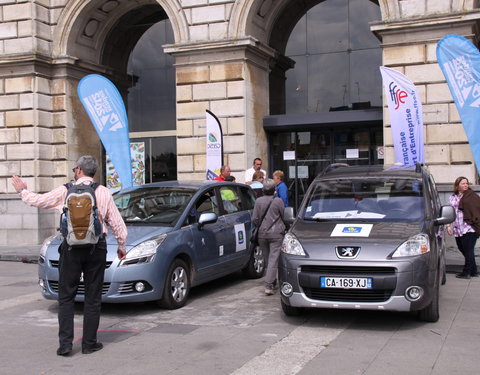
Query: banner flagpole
107, 112
405, 109
459, 60
214, 146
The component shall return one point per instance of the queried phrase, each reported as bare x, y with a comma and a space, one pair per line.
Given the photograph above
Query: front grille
54, 264
81, 287
348, 295
346, 270
126, 287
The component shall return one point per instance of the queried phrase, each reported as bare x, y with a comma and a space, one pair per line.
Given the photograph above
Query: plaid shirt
459, 226
107, 211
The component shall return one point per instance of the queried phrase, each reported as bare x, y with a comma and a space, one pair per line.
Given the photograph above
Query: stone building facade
224, 52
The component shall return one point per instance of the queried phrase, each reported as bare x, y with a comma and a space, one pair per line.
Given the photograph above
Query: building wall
222, 58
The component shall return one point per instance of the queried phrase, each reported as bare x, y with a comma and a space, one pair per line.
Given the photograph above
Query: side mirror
447, 215
288, 216
206, 218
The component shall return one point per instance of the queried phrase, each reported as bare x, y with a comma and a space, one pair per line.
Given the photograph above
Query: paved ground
231, 327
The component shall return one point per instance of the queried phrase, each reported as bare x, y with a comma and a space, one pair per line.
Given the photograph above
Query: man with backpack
86, 207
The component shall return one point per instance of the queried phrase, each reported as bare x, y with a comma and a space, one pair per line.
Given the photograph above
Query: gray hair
88, 164
269, 187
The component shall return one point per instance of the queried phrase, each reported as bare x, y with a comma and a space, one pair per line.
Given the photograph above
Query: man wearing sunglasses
88, 260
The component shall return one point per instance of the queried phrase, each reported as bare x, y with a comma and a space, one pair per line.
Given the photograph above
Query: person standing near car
225, 172
270, 231
86, 260
282, 189
466, 227
256, 167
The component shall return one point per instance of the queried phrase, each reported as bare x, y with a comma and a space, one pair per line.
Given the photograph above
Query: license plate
346, 282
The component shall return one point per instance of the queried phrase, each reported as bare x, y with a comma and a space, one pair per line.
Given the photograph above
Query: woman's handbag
254, 237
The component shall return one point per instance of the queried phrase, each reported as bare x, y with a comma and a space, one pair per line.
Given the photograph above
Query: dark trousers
466, 245
89, 260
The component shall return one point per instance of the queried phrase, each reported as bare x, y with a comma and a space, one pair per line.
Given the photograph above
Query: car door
209, 239
237, 204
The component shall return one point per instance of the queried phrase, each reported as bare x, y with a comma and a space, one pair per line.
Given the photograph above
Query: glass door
304, 155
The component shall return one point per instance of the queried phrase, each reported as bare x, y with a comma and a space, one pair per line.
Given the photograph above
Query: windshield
376, 199
161, 205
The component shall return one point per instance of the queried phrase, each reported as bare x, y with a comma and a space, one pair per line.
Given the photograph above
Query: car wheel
177, 285
291, 310
256, 265
431, 312
444, 274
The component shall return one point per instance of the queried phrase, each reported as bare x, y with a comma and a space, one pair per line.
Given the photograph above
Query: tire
291, 310
177, 285
444, 274
431, 312
256, 265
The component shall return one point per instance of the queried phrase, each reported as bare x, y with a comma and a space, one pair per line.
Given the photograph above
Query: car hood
317, 240
137, 234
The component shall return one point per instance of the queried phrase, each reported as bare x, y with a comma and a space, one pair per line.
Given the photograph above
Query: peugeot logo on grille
347, 252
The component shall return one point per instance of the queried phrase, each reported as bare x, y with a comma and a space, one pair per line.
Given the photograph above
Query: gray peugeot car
367, 238
180, 234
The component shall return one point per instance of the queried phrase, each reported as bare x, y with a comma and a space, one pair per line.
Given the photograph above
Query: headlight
143, 252
415, 245
292, 246
46, 243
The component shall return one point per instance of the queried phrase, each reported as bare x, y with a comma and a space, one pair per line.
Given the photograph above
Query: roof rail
333, 166
419, 167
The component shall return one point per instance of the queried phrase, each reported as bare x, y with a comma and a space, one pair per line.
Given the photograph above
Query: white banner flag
405, 108
214, 146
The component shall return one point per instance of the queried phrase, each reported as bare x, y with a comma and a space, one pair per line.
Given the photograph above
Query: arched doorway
326, 90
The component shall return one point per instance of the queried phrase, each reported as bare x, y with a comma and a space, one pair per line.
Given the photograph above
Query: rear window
369, 199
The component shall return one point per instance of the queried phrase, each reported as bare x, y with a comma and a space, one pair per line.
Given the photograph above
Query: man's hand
18, 184
121, 254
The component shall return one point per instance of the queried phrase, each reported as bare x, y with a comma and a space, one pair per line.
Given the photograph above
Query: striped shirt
459, 226
107, 211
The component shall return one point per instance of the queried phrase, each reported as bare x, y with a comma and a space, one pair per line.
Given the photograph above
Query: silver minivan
367, 238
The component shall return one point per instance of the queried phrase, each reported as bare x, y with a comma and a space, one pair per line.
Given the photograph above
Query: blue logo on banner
459, 60
106, 110
352, 230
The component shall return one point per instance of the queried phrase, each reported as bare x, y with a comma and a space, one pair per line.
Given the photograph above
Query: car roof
365, 171
187, 184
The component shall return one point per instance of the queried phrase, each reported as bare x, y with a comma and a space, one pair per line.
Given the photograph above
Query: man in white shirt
257, 166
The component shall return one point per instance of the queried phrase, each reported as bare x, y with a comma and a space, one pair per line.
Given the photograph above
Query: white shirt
249, 174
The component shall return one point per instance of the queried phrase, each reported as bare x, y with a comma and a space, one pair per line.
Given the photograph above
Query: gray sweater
272, 225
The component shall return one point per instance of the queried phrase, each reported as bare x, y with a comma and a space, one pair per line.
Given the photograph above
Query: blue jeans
466, 245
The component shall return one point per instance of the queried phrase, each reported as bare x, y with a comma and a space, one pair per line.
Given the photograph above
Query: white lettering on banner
100, 108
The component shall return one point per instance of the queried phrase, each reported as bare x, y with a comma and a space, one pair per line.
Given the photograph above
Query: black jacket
470, 205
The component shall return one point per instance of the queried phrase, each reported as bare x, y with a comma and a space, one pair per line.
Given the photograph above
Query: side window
207, 203
231, 199
248, 198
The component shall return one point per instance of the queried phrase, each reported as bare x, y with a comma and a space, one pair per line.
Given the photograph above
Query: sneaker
463, 276
94, 348
269, 292
476, 274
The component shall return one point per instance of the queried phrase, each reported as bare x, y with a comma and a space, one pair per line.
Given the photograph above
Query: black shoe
475, 274
94, 348
463, 276
64, 351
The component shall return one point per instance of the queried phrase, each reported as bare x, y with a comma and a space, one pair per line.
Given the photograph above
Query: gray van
367, 238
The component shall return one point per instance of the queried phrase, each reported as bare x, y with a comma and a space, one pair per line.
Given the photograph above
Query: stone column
229, 78
410, 48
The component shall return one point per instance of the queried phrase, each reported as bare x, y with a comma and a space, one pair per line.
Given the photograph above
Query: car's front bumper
390, 281
119, 282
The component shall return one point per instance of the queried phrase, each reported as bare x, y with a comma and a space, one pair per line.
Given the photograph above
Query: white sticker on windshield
220, 250
351, 230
